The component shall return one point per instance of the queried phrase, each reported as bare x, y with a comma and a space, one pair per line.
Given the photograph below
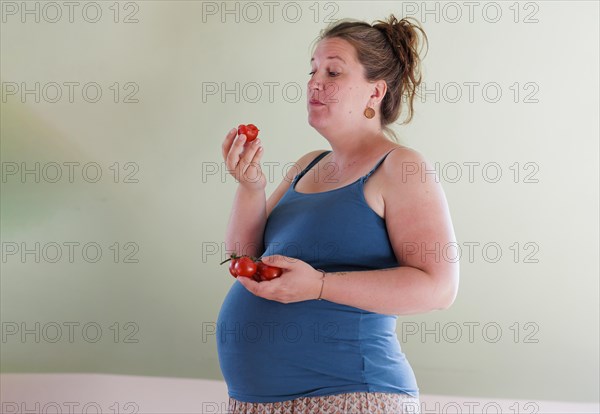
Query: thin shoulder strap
377, 165
312, 163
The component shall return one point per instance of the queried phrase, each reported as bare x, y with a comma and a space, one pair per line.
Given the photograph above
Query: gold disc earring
369, 112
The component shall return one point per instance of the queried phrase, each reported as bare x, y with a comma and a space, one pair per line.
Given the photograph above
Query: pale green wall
174, 209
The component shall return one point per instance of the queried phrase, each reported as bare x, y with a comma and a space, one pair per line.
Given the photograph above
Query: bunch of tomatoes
250, 266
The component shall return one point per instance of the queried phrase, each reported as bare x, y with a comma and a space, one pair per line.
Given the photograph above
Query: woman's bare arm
420, 230
245, 229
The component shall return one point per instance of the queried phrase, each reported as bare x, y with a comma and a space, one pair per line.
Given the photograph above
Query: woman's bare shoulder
404, 152
404, 160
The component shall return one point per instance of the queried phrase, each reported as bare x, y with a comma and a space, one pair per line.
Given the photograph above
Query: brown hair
388, 51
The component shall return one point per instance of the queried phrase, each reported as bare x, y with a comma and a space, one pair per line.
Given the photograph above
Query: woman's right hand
242, 160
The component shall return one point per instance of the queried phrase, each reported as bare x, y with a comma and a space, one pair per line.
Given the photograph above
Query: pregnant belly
267, 348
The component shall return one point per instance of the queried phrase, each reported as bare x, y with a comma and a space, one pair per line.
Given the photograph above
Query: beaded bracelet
322, 283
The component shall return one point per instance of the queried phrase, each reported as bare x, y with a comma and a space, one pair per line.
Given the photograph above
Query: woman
355, 236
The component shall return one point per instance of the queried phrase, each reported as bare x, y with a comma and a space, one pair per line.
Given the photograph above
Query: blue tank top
270, 351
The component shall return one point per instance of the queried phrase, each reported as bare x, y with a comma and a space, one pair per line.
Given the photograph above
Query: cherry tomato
245, 266
250, 130
232, 270
267, 272
249, 266
233, 264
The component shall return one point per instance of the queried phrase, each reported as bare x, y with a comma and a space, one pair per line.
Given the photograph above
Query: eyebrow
331, 57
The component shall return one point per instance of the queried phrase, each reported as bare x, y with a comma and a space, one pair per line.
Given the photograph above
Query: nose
314, 84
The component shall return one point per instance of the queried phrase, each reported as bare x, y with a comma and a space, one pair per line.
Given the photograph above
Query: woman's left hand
299, 281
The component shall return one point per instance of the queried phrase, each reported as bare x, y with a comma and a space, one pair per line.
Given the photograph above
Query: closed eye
332, 74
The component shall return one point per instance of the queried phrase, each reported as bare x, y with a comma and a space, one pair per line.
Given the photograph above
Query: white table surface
122, 394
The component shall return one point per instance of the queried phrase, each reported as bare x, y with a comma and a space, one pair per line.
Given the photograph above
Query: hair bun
390, 28
402, 36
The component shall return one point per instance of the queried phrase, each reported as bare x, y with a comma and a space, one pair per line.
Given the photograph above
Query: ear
379, 91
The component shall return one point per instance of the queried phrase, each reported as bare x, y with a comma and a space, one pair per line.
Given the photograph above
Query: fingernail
242, 137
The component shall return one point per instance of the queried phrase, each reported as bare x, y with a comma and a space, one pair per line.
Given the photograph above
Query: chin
316, 121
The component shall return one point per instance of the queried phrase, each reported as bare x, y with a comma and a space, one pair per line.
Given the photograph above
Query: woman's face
337, 81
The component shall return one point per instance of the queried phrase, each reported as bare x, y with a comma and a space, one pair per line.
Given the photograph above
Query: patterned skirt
348, 403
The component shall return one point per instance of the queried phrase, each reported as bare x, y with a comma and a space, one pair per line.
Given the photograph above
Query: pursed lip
315, 102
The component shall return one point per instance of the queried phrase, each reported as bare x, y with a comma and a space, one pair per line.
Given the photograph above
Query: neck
349, 149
